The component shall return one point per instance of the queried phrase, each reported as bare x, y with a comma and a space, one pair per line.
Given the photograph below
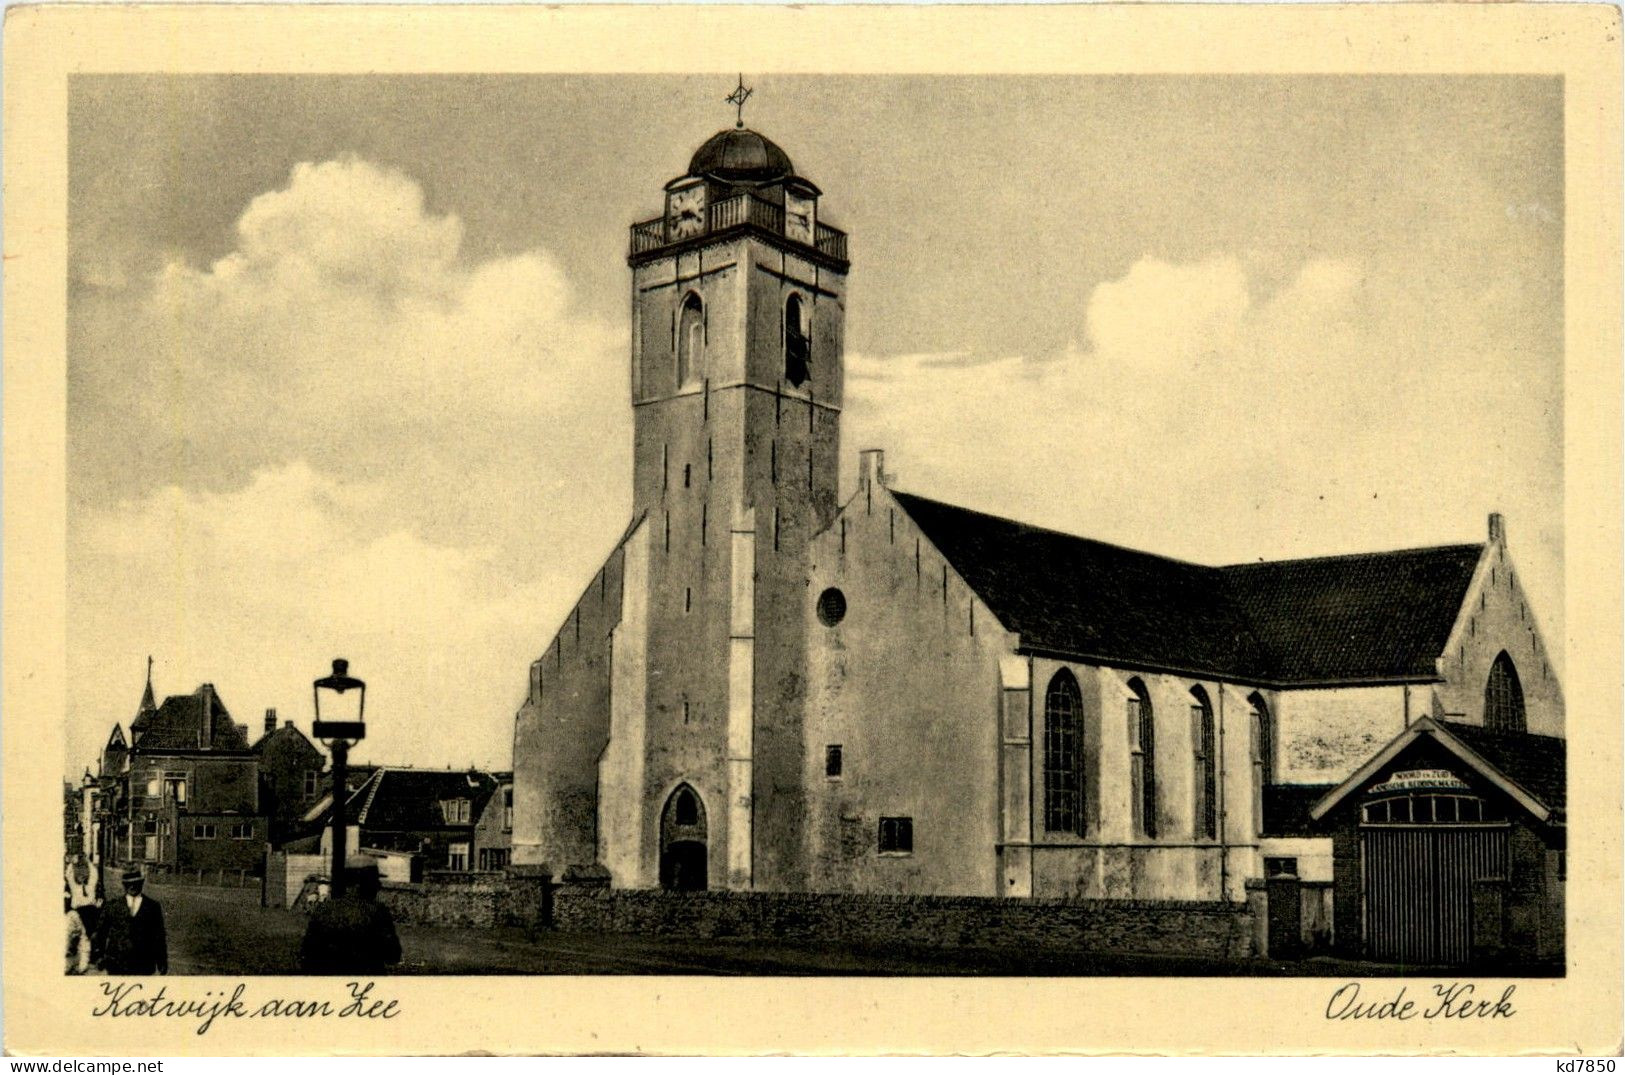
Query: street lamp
342, 727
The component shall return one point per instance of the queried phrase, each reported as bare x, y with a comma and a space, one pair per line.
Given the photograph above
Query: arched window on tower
1263, 740
1503, 697
685, 808
797, 341
1142, 733
1202, 755
1063, 755
690, 341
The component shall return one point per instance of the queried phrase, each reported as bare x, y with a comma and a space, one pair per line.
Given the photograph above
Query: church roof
740, 154
178, 724
1383, 614
1294, 622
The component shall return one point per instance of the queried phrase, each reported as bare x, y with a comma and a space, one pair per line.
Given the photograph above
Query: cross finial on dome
738, 98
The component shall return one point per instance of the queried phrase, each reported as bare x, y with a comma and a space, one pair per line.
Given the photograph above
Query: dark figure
354, 934
130, 932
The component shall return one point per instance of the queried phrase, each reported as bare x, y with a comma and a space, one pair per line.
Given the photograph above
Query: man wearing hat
353, 934
131, 931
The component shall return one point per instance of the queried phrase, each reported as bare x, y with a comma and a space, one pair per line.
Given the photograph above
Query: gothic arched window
685, 807
690, 340
797, 341
1202, 754
1503, 697
1142, 731
1263, 739
1063, 755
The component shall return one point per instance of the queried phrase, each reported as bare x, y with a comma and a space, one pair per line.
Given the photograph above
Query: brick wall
1194, 928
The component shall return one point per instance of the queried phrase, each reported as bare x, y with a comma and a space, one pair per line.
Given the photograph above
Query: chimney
270, 721
872, 468
287, 724
206, 731
1498, 529
242, 730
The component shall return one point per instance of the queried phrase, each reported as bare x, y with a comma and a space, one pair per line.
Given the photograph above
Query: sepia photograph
809, 524
1203, 627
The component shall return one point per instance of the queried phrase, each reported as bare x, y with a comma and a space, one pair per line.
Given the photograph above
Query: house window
1063, 755
493, 858
456, 811
154, 783
1503, 697
311, 778
1263, 747
690, 340
832, 760
896, 836
202, 831
797, 344
149, 827
507, 809
457, 857
241, 830
1142, 733
1280, 867
1202, 754
175, 788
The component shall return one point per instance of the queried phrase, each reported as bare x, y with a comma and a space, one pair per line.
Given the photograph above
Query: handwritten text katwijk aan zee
134, 999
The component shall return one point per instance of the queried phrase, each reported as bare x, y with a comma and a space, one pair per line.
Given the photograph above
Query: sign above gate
1410, 779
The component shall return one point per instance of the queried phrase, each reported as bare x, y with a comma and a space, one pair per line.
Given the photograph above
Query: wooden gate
1419, 888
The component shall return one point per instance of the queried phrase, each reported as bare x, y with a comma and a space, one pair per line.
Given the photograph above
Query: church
768, 689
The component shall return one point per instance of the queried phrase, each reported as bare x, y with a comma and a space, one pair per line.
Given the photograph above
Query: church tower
661, 738
737, 308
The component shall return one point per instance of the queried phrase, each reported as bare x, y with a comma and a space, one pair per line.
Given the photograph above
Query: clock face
686, 214
798, 218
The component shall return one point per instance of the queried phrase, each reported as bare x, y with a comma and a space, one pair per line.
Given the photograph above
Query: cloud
341, 436
257, 588
345, 327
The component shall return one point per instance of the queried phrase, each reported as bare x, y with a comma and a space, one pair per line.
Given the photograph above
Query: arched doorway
684, 865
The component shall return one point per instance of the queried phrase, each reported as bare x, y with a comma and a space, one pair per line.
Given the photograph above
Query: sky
348, 356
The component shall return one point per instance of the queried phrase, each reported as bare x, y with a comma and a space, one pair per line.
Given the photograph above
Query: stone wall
477, 905
1185, 928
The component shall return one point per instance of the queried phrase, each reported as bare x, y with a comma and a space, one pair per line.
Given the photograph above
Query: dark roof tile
400, 800
1333, 619
1537, 763
178, 725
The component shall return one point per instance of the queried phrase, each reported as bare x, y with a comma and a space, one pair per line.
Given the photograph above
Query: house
493, 833
765, 688
435, 814
291, 777
185, 788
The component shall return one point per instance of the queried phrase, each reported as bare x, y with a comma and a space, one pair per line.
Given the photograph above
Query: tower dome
741, 155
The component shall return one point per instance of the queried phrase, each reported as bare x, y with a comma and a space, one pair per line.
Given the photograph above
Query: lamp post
339, 729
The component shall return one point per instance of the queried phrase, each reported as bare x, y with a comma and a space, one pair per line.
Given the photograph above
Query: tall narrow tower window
797, 342
690, 341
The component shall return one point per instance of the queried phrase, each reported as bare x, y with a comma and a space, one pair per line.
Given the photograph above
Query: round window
831, 607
